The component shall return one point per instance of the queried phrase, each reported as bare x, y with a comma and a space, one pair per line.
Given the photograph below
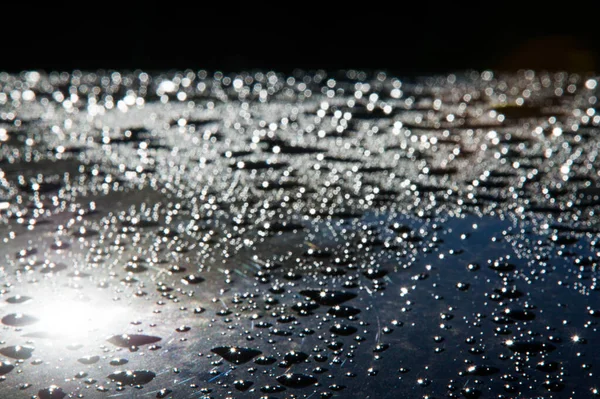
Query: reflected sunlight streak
74, 320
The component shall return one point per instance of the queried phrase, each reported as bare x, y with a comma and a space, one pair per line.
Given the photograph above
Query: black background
415, 40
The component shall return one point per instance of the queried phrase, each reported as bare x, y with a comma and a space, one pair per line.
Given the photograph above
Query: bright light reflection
72, 319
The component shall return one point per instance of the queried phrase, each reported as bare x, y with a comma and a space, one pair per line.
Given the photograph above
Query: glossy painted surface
343, 235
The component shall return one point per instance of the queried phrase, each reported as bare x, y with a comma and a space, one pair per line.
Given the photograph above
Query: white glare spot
591, 84
166, 86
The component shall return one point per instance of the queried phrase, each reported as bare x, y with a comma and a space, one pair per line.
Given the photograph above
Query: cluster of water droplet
195, 234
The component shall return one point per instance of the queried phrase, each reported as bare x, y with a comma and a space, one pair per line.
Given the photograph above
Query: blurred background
419, 40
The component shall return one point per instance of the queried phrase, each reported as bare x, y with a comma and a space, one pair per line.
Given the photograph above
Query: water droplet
118, 362
296, 380
89, 360
236, 355
18, 299
18, 320
328, 298
17, 352
343, 329
5, 368
130, 377
132, 340
242, 385
53, 392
